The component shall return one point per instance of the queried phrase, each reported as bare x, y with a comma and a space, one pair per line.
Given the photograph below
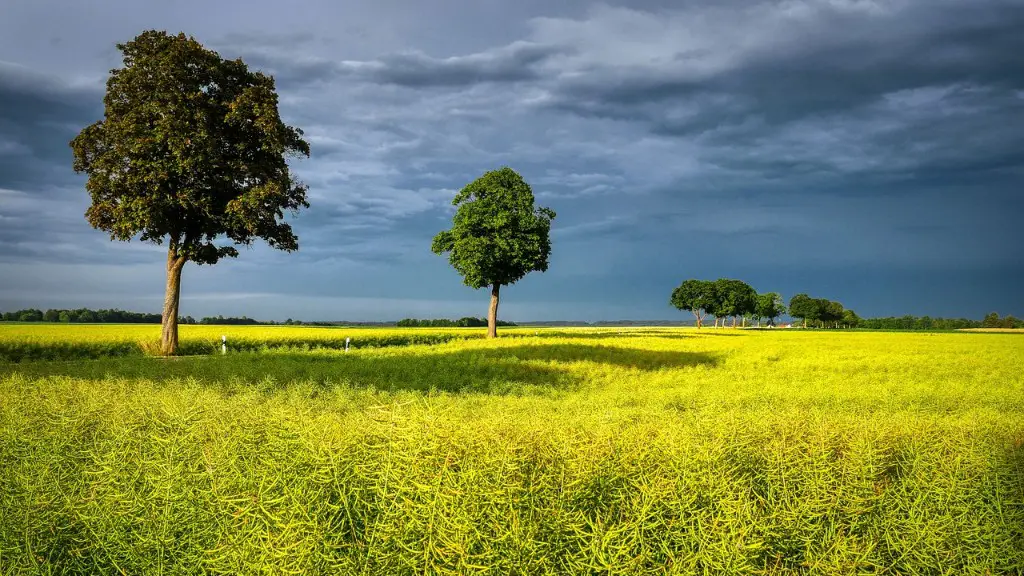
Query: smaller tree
991, 321
498, 235
697, 296
770, 306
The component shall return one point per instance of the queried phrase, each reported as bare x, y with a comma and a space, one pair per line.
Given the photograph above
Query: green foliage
769, 306
992, 320
191, 148
611, 452
698, 296
222, 321
114, 316
826, 313
735, 298
467, 322
801, 306
928, 323
498, 236
851, 320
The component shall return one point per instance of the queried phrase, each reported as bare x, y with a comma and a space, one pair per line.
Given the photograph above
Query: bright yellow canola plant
544, 452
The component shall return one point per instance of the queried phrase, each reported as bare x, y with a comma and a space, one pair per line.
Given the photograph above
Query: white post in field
223, 344
346, 343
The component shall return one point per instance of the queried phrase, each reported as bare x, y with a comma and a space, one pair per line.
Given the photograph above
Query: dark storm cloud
39, 116
805, 145
514, 63
977, 43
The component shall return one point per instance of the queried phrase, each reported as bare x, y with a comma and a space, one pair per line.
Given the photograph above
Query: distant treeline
820, 312
82, 315
992, 320
115, 316
467, 322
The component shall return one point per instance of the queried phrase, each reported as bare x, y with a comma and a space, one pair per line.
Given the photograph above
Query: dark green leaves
769, 305
735, 298
191, 149
497, 236
697, 296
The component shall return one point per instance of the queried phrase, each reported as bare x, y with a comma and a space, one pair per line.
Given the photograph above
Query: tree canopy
697, 296
191, 149
769, 306
735, 298
498, 236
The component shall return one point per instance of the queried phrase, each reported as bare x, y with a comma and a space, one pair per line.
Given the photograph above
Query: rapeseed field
583, 451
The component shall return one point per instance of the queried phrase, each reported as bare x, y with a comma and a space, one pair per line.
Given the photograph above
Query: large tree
770, 306
832, 313
498, 235
697, 296
192, 152
802, 306
736, 298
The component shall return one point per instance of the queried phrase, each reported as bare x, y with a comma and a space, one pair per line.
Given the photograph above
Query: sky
865, 151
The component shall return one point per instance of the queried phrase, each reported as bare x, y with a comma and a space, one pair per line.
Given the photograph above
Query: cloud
39, 115
516, 62
672, 138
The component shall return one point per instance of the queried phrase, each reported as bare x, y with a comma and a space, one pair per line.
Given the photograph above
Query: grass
655, 451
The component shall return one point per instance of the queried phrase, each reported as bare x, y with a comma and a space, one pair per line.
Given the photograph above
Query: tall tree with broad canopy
831, 313
697, 296
498, 235
801, 306
770, 306
191, 149
736, 298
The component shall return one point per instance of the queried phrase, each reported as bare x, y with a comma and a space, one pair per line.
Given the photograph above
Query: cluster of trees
991, 320
243, 321
726, 298
87, 316
467, 322
81, 315
822, 313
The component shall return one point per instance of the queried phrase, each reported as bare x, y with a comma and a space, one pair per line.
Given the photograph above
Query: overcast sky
866, 151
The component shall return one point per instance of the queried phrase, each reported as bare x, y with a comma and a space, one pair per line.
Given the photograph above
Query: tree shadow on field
508, 369
608, 334
614, 355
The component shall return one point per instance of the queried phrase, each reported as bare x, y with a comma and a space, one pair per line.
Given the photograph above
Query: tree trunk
492, 313
696, 315
733, 321
169, 319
